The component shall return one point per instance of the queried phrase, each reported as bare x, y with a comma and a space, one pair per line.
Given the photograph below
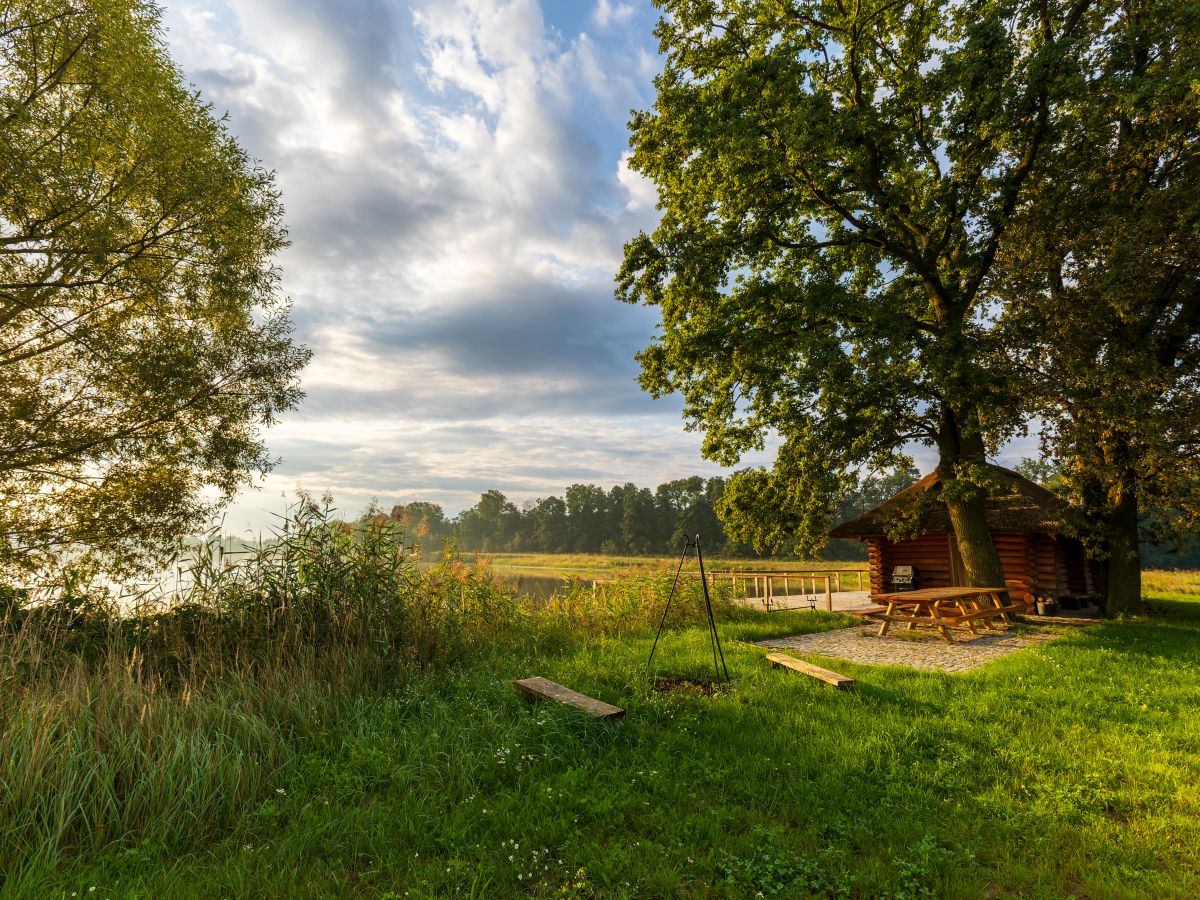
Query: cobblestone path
861, 644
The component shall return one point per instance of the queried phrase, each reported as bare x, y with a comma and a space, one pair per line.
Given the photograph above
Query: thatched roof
1016, 505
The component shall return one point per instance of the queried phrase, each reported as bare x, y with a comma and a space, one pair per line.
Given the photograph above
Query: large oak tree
836, 179
143, 339
1101, 278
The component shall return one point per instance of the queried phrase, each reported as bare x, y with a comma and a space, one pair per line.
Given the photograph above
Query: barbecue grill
905, 578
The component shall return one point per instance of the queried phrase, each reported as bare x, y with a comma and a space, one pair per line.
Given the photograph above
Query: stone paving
922, 649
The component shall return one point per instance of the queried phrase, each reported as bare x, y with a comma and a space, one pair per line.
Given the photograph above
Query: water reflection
539, 586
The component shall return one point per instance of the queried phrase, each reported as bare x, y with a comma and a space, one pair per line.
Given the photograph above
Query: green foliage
1101, 281
774, 869
143, 341
836, 181
630, 520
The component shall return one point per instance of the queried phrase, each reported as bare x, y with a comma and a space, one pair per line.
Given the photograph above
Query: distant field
596, 566
1175, 581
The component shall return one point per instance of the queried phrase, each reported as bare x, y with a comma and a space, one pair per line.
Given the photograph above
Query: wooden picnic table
946, 606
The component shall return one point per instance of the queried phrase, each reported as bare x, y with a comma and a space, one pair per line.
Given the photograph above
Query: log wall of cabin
1064, 568
1017, 559
930, 553
875, 565
1046, 553
1044, 563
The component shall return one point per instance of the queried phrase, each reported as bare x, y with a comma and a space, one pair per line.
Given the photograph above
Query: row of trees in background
624, 519
635, 521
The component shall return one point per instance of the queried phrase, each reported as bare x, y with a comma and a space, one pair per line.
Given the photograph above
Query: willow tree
836, 180
143, 339
1101, 278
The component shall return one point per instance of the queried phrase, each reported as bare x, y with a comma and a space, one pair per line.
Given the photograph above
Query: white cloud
643, 195
606, 14
458, 192
457, 201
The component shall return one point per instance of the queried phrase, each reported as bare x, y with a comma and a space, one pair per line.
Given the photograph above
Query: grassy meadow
590, 565
340, 722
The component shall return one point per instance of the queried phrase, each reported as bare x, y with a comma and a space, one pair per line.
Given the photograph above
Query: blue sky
457, 199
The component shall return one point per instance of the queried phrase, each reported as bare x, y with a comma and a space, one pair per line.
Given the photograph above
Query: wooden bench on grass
783, 660
544, 689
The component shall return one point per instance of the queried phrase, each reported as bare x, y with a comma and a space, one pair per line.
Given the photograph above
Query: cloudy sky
457, 200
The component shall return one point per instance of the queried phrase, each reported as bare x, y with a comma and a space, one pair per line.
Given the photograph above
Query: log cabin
1033, 529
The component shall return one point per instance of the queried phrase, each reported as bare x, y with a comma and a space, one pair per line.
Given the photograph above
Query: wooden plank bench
544, 689
783, 660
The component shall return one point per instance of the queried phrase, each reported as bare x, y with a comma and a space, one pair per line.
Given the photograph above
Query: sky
457, 198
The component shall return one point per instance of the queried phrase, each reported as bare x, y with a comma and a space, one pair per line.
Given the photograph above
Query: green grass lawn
1067, 769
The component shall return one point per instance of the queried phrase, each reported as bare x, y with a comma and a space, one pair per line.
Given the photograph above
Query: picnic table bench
944, 607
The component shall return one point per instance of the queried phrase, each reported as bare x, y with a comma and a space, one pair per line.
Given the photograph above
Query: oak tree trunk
975, 544
967, 504
1123, 567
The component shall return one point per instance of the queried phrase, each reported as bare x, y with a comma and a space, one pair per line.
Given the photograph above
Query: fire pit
687, 685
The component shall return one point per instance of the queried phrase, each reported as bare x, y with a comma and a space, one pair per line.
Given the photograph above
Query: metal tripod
714, 639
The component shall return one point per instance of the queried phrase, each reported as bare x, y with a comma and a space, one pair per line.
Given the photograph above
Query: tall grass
170, 718
1162, 581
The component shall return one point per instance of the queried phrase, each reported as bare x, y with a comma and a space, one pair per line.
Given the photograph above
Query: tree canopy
836, 181
143, 339
1101, 283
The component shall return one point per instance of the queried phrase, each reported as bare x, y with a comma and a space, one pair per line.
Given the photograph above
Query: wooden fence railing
763, 585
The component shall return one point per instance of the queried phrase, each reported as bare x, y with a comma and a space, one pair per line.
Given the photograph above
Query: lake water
537, 584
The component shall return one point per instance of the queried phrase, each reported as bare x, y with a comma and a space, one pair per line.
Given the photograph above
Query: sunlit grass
1163, 582
609, 566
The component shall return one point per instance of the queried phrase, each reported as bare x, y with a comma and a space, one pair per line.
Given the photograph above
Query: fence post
828, 595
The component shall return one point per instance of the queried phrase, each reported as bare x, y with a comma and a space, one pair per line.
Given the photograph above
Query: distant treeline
637, 521
624, 519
